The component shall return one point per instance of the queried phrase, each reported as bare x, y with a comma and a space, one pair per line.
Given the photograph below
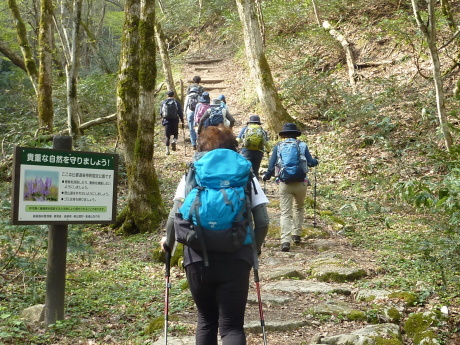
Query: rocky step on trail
315, 294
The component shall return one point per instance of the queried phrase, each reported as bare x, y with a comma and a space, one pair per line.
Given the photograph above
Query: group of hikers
220, 212
199, 111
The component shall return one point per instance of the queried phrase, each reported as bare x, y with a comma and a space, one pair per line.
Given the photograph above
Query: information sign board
64, 187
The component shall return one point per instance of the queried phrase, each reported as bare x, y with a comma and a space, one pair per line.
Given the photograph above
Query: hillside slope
327, 287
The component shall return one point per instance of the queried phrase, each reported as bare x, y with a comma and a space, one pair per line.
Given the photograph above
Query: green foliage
282, 18
114, 21
184, 17
439, 247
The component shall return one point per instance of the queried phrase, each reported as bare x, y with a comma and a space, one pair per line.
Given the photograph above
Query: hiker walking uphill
191, 101
222, 228
194, 92
289, 163
223, 103
201, 107
196, 83
171, 112
215, 116
255, 142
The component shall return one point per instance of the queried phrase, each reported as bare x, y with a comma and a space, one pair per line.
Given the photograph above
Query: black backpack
192, 101
170, 109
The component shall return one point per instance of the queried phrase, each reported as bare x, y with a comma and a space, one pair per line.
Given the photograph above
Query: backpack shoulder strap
250, 219
190, 180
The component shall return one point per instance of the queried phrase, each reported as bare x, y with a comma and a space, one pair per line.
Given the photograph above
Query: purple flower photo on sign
41, 185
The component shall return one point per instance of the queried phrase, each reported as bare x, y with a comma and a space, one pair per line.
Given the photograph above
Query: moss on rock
410, 298
417, 326
385, 341
394, 315
356, 315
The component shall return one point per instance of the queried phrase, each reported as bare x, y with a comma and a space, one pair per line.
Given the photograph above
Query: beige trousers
292, 201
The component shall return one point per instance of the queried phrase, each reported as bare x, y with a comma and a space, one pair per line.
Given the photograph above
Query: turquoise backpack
215, 215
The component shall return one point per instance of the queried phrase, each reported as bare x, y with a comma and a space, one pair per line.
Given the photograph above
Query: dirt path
323, 287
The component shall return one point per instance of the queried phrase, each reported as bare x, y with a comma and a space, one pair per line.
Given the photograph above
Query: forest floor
297, 306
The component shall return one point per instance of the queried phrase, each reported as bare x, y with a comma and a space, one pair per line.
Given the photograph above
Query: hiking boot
167, 150
285, 247
173, 145
194, 147
296, 239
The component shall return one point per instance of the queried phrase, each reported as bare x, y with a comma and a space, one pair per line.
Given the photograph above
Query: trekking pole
259, 301
183, 134
168, 286
314, 196
256, 271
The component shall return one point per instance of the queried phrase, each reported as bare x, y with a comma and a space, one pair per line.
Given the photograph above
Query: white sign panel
63, 187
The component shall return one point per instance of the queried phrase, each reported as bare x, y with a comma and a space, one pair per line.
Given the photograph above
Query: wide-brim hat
254, 119
216, 101
290, 128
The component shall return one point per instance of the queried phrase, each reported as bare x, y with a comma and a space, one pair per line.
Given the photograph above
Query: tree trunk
45, 86
29, 61
163, 49
144, 209
270, 102
148, 200
429, 32
73, 109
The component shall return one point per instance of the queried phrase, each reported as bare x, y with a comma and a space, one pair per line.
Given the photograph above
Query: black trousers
171, 129
220, 292
255, 157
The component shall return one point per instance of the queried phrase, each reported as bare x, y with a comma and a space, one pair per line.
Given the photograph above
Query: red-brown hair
217, 137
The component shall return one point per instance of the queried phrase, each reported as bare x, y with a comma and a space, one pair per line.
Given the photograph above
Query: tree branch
12, 56
348, 53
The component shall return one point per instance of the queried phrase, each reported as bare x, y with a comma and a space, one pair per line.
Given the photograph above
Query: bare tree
270, 102
166, 63
429, 32
144, 209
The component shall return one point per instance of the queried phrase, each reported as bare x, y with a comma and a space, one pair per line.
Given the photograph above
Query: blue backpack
216, 116
291, 161
215, 212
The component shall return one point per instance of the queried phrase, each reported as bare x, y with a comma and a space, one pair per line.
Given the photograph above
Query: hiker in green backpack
219, 289
289, 163
255, 142
170, 112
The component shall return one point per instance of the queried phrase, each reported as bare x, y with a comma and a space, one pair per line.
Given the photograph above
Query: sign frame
81, 165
